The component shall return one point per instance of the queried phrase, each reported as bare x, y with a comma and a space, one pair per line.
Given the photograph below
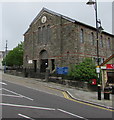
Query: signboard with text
29, 61
62, 70
110, 66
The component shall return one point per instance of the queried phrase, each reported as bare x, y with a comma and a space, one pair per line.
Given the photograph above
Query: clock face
43, 19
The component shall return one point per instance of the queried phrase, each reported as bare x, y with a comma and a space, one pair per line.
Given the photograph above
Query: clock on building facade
43, 19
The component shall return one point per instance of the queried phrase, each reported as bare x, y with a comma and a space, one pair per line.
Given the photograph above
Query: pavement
74, 93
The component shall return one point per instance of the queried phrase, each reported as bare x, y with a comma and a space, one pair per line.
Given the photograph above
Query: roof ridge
65, 17
54, 13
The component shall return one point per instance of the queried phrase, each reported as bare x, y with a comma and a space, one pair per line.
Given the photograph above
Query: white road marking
10, 95
72, 114
24, 116
18, 94
3, 83
24, 106
33, 88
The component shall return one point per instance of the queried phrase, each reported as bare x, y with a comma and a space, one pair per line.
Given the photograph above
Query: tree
84, 71
15, 56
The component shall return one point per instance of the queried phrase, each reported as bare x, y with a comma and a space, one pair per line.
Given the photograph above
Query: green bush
85, 71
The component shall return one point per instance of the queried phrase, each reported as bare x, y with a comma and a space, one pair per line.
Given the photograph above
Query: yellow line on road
65, 95
54, 89
74, 100
69, 98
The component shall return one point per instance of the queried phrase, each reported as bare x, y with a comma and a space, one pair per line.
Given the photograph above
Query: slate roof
53, 13
65, 17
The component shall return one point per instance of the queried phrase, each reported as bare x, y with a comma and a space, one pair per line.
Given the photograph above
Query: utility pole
5, 56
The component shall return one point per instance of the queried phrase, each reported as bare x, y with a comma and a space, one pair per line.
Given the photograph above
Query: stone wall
64, 44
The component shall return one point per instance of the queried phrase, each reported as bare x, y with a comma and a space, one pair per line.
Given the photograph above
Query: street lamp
98, 29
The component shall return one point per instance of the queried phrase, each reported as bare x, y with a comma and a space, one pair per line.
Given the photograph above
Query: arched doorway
43, 60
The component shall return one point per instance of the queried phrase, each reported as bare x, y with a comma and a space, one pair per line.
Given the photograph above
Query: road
23, 102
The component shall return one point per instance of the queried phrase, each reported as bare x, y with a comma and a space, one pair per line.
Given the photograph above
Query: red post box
94, 82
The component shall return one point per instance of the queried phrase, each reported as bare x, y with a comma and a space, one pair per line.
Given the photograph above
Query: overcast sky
15, 18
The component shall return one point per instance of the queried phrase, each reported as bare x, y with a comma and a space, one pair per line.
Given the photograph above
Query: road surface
23, 102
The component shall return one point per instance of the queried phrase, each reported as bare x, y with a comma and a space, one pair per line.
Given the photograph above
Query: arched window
101, 41
109, 43
92, 38
48, 33
43, 60
43, 54
81, 36
39, 35
44, 34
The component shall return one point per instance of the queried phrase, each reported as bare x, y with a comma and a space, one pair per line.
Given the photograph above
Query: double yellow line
65, 94
97, 106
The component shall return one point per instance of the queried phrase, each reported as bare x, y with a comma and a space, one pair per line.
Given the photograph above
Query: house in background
54, 40
2, 56
107, 68
2, 53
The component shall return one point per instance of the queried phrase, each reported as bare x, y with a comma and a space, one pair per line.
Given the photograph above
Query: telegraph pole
5, 56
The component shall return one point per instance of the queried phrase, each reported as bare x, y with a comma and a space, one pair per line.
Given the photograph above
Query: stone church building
54, 40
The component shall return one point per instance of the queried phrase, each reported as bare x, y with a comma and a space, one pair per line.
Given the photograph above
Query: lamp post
5, 56
98, 29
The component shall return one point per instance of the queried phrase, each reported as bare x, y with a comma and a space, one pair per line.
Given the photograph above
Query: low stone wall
69, 83
26, 73
14, 72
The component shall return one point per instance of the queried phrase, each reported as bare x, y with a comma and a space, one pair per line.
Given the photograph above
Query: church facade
54, 40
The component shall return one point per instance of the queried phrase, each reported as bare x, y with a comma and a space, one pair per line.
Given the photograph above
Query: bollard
106, 93
99, 92
25, 72
47, 74
4, 69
